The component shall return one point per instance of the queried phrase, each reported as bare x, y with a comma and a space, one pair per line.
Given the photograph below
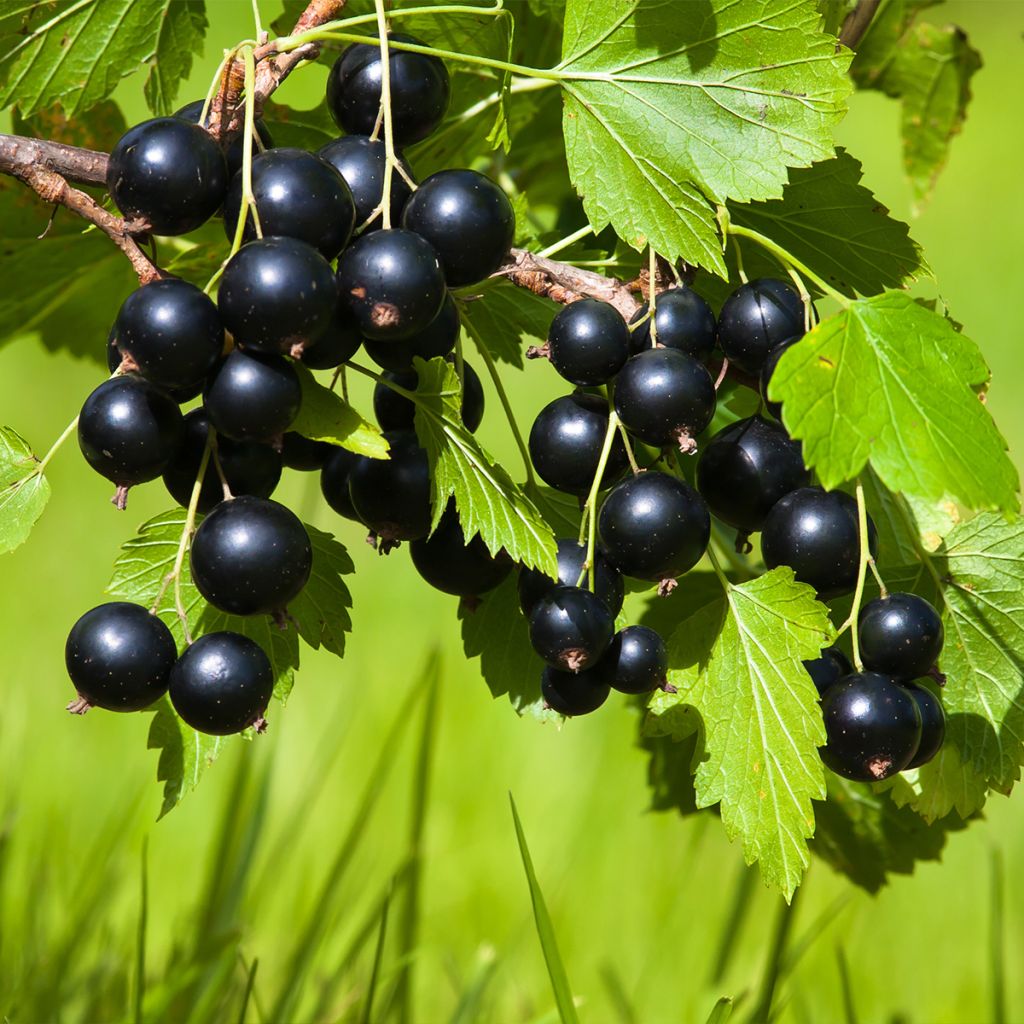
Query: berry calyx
608, 584
933, 725
682, 320
636, 661
756, 318
828, 669
571, 628
361, 160
253, 396
900, 635
588, 342
436, 340
574, 693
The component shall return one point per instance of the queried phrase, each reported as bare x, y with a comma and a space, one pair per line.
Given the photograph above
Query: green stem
722, 578
55, 447
862, 571
564, 243
248, 196
256, 18
595, 490
652, 276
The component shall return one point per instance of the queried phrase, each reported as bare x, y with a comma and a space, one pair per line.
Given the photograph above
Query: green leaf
183, 25
97, 128
301, 129
184, 754
506, 320
325, 416
670, 108
737, 665
320, 612
24, 490
831, 222
488, 501
888, 381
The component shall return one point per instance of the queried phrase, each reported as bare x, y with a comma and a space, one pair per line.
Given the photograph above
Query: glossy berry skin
900, 635
419, 90
588, 342
746, 468
253, 396
570, 628
665, 397
832, 666
450, 565
682, 319
392, 496
814, 532
468, 220
756, 318
609, 587
873, 727
636, 661
251, 556
172, 331
180, 395
249, 467
566, 440
436, 340
169, 173
775, 408
396, 412
303, 454
276, 293
336, 344
129, 430
334, 481
933, 725
120, 657
392, 282
234, 154
654, 527
361, 160
298, 195
574, 693
222, 684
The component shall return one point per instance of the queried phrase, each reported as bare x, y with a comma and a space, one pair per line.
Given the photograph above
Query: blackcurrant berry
396, 412
900, 635
304, 454
570, 628
588, 342
337, 344
119, 657
832, 666
180, 395
609, 587
636, 661
298, 195
682, 320
468, 220
235, 151
169, 173
664, 396
334, 481
746, 468
450, 564
775, 408
437, 339
276, 293
574, 693
933, 725
251, 556
815, 533
873, 727
566, 441
361, 160
392, 282
222, 684
172, 331
419, 90
392, 496
758, 316
248, 467
253, 396
654, 527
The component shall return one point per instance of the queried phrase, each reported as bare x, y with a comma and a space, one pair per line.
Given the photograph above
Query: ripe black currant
392, 282
361, 160
636, 661
654, 527
419, 90
304, 454
234, 154
832, 666
814, 532
933, 725
337, 344
588, 342
570, 628
900, 635
392, 496
169, 173
468, 220
172, 331
775, 408
298, 195
276, 293
873, 727
758, 316
609, 587
396, 412
222, 684
682, 320
251, 556
252, 396
334, 481
566, 440
574, 693
663, 396
437, 339
180, 395
746, 468
119, 657
450, 564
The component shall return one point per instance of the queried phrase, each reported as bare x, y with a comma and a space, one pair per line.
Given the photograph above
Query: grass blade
250, 981
849, 1007
721, 1011
742, 904
140, 944
997, 950
470, 1006
378, 959
617, 994
545, 931
772, 969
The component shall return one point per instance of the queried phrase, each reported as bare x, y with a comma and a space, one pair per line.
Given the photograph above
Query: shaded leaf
302, 129
325, 416
24, 490
183, 26
184, 753
97, 128
320, 612
507, 320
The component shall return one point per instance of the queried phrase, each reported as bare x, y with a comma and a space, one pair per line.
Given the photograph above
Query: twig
856, 23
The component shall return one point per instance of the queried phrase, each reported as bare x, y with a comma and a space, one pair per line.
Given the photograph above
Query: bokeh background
287, 849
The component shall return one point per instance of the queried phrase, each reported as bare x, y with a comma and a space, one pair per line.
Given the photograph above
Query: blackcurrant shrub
119, 657
334, 481
304, 454
682, 320
775, 408
933, 725
396, 412
873, 727
437, 339
832, 666
900, 635
222, 684
636, 661
570, 628
169, 173
252, 396
756, 318
588, 342
361, 160
336, 344
574, 693
235, 151
251, 556
608, 584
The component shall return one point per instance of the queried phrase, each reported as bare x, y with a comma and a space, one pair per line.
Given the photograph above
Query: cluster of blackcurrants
279, 302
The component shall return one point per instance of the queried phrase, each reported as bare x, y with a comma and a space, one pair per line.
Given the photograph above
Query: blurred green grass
247, 867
